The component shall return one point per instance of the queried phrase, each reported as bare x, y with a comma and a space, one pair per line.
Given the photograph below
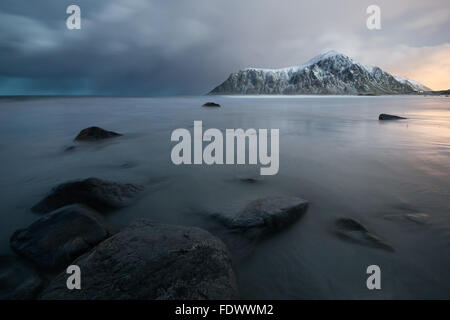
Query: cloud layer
144, 47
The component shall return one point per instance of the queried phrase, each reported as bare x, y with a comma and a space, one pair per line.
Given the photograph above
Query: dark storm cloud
145, 47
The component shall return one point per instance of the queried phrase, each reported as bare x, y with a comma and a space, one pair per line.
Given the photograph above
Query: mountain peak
330, 54
334, 55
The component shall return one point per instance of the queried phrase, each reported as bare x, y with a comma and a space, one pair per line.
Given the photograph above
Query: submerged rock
418, 218
153, 261
249, 180
96, 193
263, 216
384, 116
351, 230
211, 104
70, 148
18, 281
95, 133
56, 239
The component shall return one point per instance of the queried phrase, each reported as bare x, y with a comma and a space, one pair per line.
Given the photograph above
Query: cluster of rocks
145, 260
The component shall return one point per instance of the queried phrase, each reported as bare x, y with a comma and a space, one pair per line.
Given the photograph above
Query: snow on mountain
328, 73
416, 85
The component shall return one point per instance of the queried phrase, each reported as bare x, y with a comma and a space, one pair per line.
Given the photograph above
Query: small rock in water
18, 281
211, 104
418, 218
249, 180
353, 231
384, 116
70, 148
58, 238
95, 133
96, 193
264, 216
128, 165
149, 260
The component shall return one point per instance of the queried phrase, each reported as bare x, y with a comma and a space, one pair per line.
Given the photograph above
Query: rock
417, 218
70, 148
18, 281
95, 133
351, 230
96, 193
211, 104
56, 239
264, 216
249, 180
384, 116
153, 261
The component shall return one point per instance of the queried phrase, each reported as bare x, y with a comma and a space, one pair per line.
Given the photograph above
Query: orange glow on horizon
428, 66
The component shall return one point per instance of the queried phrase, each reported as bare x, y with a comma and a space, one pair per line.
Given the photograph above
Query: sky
187, 47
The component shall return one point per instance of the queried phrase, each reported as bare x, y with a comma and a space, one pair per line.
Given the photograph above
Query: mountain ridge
328, 73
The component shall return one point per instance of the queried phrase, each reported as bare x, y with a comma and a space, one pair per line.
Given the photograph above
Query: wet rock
211, 104
96, 193
128, 165
249, 180
70, 148
351, 230
95, 133
384, 116
55, 240
264, 216
153, 261
417, 218
18, 281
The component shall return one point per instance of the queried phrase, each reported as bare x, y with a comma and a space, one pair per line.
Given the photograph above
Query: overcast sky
146, 47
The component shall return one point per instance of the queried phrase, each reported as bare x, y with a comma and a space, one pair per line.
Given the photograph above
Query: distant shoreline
44, 96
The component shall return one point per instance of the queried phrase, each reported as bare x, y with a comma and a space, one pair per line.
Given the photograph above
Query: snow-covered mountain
328, 73
417, 86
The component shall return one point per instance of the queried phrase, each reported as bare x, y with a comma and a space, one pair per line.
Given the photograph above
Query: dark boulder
95, 133
18, 281
211, 104
256, 222
149, 260
266, 215
351, 230
384, 116
96, 193
55, 240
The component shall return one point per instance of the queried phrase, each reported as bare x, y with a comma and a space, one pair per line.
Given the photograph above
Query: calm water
333, 152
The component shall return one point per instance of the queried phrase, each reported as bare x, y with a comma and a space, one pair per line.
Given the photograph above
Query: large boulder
152, 261
18, 281
264, 216
385, 116
95, 133
96, 193
55, 240
353, 231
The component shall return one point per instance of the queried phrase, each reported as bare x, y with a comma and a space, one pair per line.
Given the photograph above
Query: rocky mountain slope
329, 73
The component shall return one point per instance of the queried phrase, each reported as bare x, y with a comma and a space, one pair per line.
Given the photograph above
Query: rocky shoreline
146, 259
